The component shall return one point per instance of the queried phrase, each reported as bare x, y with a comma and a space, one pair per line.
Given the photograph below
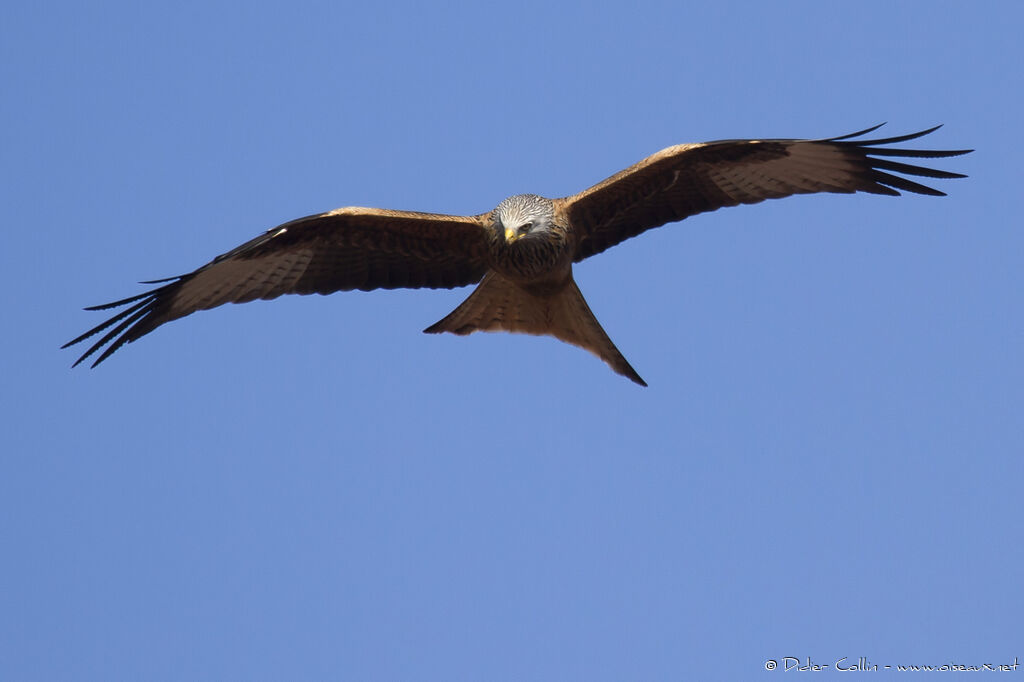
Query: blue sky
827, 463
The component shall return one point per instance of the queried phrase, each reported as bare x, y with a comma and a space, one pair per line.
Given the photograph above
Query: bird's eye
526, 227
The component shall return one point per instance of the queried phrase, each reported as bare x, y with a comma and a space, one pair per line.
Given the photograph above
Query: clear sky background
827, 463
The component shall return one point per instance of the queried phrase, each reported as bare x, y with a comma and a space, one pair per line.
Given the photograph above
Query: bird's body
522, 252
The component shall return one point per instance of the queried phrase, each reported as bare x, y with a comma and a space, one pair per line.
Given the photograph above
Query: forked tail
498, 304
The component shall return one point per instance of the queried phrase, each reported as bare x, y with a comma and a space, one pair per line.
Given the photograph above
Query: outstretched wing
350, 248
693, 178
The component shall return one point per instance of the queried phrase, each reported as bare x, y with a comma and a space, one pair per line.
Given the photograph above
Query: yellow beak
511, 235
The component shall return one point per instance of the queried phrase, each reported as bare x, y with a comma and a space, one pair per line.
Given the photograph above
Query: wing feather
688, 179
350, 248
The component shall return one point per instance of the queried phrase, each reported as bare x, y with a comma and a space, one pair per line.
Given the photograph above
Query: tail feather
498, 304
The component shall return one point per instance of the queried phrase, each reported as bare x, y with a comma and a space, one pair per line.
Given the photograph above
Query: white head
522, 215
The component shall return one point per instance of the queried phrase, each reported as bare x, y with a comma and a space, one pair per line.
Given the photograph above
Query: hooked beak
511, 234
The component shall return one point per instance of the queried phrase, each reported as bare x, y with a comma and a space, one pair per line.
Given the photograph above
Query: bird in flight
520, 255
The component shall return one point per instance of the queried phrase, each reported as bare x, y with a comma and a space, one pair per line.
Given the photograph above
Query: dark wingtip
856, 134
893, 140
881, 182
138, 319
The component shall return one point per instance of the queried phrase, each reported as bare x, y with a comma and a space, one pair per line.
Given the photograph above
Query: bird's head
523, 215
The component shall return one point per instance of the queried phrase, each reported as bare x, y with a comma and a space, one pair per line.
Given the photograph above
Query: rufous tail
498, 304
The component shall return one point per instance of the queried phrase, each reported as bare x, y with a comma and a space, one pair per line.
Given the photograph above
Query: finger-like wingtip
882, 182
138, 319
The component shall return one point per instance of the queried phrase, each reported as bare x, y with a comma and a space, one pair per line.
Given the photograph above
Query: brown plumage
521, 252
